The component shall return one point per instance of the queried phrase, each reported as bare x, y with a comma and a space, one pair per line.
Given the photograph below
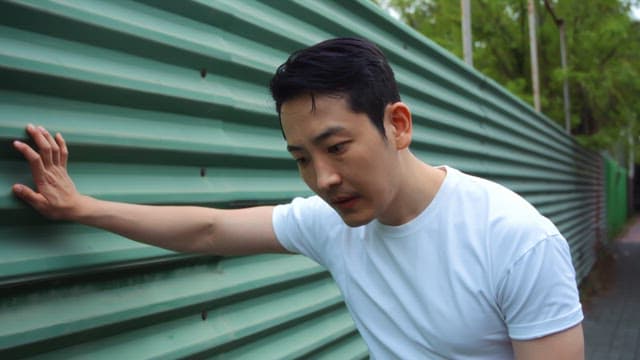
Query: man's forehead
310, 103
332, 116
320, 136
299, 114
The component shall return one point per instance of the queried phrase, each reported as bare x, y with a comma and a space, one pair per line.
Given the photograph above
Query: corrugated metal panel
166, 102
616, 188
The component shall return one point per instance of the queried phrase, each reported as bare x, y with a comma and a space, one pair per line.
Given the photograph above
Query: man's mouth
345, 202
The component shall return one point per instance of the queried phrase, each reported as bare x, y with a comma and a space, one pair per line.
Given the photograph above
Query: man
432, 263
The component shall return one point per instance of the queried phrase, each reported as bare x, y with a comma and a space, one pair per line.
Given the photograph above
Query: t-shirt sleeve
299, 226
538, 294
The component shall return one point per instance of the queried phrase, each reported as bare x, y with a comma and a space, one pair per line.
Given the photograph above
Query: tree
603, 44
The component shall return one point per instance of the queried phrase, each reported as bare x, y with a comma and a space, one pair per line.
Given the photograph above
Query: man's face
342, 157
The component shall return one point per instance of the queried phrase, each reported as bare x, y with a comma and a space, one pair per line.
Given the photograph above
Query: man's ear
401, 125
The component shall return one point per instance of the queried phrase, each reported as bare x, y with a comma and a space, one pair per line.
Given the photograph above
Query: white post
467, 47
565, 85
534, 55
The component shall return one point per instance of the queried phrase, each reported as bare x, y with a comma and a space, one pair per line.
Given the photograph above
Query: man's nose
326, 176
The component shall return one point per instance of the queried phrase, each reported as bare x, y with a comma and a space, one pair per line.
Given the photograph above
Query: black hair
350, 67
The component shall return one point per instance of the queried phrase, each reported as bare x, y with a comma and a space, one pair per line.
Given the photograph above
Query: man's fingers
29, 196
34, 159
55, 150
64, 151
44, 148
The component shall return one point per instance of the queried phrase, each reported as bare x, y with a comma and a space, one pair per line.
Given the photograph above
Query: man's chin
355, 221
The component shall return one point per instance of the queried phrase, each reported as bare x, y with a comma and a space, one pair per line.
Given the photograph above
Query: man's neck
419, 185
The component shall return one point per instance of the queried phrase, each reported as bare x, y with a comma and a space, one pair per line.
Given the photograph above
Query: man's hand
55, 195
179, 228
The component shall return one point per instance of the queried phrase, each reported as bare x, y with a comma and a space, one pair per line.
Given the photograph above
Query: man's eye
337, 148
301, 160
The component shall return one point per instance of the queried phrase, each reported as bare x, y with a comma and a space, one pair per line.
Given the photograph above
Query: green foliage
603, 47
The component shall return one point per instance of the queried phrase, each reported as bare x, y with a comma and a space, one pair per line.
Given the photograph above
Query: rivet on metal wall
203, 172
204, 315
203, 73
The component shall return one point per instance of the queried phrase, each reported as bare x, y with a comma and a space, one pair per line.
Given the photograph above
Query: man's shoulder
496, 199
308, 212
311, 206
308, 226
508, 222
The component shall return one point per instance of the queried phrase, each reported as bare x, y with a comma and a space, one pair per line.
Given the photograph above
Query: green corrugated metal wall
166, 102
616, 194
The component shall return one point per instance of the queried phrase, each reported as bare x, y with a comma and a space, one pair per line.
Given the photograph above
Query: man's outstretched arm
179, 228
564, 345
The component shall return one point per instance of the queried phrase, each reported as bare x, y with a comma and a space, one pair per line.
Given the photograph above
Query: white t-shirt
478, 267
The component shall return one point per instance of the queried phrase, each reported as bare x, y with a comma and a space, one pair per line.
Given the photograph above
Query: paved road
612, 317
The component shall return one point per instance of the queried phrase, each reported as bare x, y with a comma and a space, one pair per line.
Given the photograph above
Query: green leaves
603, 51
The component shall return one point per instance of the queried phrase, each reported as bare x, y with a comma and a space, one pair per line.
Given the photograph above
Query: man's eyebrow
327, 134
319, 138
291, 148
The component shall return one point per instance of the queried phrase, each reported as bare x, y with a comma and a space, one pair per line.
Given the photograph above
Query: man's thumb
27, 194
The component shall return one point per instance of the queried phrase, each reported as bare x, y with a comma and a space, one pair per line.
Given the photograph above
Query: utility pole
534, 55
565, 81
563, 60
631, 164
467, 47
